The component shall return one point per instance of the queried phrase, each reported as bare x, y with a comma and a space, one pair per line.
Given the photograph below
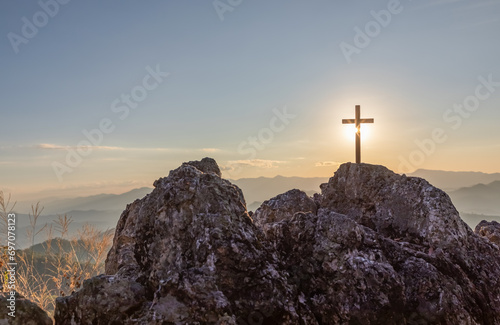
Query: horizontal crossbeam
353, 121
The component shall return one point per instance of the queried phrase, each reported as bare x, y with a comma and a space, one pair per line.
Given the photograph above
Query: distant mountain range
101, 220
480, 198
476, 196
257, 190
449, 181
101, 202
101, 211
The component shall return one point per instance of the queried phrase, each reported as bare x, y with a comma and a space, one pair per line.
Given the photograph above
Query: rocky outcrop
26, 312
489, 230
386, 249
187, 253
283, 207
395, 206
373, 248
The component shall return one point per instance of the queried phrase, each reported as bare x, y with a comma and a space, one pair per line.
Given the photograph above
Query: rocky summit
374, 247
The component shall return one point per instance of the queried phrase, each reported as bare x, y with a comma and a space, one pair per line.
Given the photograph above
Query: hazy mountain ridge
474, 219
104, 210
60, 245
102, 220
480, 198
100, 202
263, 188
480, 188
450, 181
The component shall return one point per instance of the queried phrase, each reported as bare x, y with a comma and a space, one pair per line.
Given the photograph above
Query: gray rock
283, 207
206, 165
112, 298
373, 248
395, 205
187, 253
26, 312
489, 230
450, 275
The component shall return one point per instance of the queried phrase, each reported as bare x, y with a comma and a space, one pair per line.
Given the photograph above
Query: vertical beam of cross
357, 122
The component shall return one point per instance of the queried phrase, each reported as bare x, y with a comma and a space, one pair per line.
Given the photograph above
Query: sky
103, 97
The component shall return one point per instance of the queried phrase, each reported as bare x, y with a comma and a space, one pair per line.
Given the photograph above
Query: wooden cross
357, 121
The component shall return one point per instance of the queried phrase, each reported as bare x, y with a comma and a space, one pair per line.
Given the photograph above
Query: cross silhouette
357, 122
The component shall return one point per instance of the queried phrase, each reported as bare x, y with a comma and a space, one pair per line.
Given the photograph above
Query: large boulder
490, 230
383, 248
282, 207
26, 312
186, 253
374, 247
394, 205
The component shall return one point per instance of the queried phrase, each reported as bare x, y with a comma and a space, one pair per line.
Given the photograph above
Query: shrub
59, 265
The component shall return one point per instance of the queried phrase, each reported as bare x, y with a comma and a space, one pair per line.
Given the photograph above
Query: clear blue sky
227, 78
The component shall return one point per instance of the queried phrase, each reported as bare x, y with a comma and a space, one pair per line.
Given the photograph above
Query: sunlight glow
350, 131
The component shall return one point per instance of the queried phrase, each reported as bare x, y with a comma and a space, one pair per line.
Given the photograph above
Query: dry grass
65, 261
